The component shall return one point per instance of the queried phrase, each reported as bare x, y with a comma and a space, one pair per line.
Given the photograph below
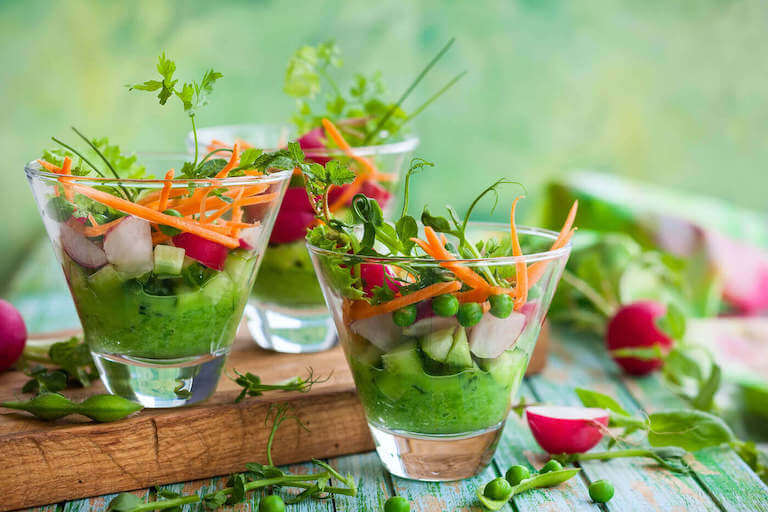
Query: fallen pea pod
52, 406
538, 481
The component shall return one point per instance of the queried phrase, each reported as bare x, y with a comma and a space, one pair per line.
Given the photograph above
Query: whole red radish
375, 191
313, 140
13, 335
290, 225
209, 253
561, 429
634, 326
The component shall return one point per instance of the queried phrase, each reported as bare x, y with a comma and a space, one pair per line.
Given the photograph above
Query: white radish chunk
492, 336
380, 330
129, 246
80, 249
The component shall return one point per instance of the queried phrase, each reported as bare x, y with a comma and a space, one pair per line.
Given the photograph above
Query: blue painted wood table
719, 479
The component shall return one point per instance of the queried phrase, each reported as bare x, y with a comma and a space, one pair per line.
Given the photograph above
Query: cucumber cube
168, 260
459, 356
403, 359
437, 344
105, 279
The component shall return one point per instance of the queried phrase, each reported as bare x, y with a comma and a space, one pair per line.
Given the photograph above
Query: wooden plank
517, 446
639, 485
156, 446
98, 503
720, 470
374, 485
444, 497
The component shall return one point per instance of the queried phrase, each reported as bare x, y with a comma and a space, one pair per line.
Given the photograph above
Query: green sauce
287, 278
122, 318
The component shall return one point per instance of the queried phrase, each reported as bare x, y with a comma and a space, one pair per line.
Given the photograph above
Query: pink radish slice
80, 249
377, 192
492, 336
290, 226
529, 309
561, 429
744, 271
313, 142
634, 326
336, 192
129, 246
379, 330
374, 275
13, 335
209, 253
249, 237
296, 199
430, 324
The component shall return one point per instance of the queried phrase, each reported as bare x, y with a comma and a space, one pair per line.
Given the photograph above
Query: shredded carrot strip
154, 216
224, 209
482, 294
66, 170
92, 220
100, 229
521, 269
469, 276
163, 203
159, 237
49, 166
242, 144
361, 309
203, 209
153, 198
536, 270
443, 239
233, 159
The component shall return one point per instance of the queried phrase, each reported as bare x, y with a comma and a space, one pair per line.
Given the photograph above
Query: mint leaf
338, 173
249, 156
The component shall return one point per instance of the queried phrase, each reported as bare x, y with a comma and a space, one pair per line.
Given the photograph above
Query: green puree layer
286, 277
120, 317
468, 401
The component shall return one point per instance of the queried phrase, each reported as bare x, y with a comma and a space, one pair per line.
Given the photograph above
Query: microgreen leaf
688, 429
591, 398
673, 322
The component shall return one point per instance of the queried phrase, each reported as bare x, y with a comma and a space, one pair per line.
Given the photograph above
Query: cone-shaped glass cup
286, 311
159, 308
436, 394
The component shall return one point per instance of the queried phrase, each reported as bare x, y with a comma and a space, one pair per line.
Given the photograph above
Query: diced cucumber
237, 265
391, 385
459, 356
368, 354
168, 260
403, 359
217, 287
437, 344
508, 368
105, 279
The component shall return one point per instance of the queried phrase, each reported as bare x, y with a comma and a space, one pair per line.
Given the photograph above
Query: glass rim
33, 169
499, 260
404, 145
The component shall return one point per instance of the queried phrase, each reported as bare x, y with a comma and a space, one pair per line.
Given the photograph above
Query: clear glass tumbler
159, 308
286, 311
436, 394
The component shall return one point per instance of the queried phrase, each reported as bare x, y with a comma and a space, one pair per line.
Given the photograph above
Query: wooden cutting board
42, 462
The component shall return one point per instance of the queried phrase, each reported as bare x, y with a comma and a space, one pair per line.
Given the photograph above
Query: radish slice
561, 429
297, 200
492, 336
129, 246
380, 330
209, 253
249, 237
80, 249
13, 335
430, 324
376, 275
377, 192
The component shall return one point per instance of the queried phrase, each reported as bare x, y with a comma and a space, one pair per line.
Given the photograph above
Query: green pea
445, 305
497, 489
168, 230
517, 474
272, 503
397, 504
405, 316
552, 465
469, 314
501, 305
601, 491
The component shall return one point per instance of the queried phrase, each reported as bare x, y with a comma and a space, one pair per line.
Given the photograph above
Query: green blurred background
665, 91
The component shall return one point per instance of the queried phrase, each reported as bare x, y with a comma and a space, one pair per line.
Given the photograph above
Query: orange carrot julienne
224, 209
100, 229
521, 269
202, 209
567, 226
231, 163
163, 203
361, 309
536, 270
338, 138
443, 240
469, 276
154, 216
49, 166
66, 170
482, 294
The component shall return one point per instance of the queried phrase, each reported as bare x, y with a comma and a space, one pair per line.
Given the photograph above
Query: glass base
158, 383
295, 331
436, 458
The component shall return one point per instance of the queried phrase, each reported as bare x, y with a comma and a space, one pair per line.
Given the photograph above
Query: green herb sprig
71, 361
257, 476
252, 385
